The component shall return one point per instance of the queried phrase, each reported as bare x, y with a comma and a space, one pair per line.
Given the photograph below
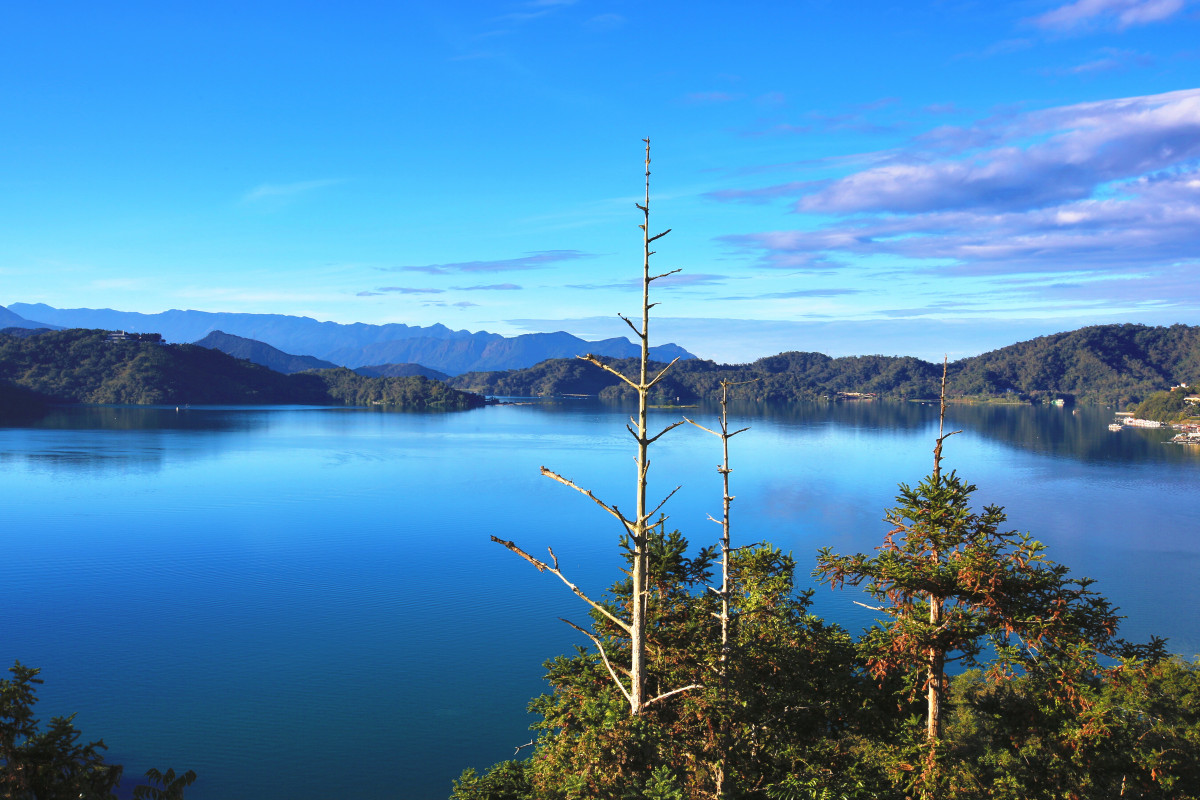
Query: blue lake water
304, 602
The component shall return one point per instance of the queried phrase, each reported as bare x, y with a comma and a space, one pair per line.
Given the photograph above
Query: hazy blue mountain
287, 333
479, 354
400, 371
355, 345
10, 319
261, 353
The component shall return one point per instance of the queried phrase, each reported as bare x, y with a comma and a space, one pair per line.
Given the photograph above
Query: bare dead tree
726, 551
639, 527
726, 501
937, 656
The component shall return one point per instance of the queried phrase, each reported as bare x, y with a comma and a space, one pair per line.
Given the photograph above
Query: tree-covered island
92, 366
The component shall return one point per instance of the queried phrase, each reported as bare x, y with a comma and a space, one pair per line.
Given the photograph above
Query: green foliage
1134, 733
1110, 364
995, 589
164, 785
52, 764
414, 392
1056, 708
1169, 406
48, 764
508, 780
82, 366
956, 588
789, 690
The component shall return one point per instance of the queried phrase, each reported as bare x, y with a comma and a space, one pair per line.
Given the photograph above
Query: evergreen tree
956, 588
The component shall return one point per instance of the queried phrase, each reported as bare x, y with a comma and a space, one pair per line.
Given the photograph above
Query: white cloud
1085, 14
283, 191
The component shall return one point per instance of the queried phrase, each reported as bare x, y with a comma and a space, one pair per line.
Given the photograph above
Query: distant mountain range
8, 319
436, 346
274, 358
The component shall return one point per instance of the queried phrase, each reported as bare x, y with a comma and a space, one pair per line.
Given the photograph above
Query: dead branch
603, 655
665, 274
586, 492
661, 373
864, 605
660, 505
659, 236
632, 326
521, 747
665, 695
542, 566
592, 359
665, 430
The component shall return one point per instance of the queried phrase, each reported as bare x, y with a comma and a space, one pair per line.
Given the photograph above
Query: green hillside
1111, 364
83, 366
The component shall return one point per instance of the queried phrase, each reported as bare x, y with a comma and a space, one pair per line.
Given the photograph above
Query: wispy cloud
710, 98
1083, 15
459, 304
1074, 149
1107, 186
603, 23
491, 287
793, 295
1001, 48
1150, 220
542, 259
1110, 59
382, 290
765, 194
536, 8
856, 118
407, 290
285, 191
679, 280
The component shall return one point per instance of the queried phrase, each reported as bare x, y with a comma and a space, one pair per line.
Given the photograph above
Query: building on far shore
125, 336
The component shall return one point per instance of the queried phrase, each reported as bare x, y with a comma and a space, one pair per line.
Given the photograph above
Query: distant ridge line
352, 345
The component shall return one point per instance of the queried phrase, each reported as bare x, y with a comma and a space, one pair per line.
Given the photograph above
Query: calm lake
304, 603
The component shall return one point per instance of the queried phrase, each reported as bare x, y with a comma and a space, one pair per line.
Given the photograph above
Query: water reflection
1079, 433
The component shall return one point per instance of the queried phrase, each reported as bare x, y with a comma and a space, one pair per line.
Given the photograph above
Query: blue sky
916, 178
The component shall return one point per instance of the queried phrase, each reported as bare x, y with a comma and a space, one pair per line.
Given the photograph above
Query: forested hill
261, 353
1113, 364
1102, 363
83, 366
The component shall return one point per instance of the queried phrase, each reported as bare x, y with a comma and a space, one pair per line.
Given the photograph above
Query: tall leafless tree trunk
937, 657
639, 528
726, 501
726, 551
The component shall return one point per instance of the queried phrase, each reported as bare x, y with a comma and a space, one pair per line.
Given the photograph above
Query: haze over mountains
276, 359
356, 345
